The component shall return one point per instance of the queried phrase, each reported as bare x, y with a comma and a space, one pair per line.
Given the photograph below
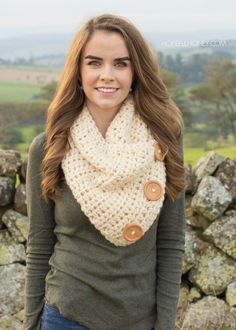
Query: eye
96, 63
121, 64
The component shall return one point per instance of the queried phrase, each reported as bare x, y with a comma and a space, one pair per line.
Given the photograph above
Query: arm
41, 238
170, 250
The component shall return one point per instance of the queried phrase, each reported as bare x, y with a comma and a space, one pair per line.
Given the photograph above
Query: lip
107, 87
107, 93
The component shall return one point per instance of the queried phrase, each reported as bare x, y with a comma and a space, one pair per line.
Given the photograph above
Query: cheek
126, 78
88, 77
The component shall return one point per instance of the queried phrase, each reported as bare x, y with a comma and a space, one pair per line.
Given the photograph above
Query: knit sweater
88, 279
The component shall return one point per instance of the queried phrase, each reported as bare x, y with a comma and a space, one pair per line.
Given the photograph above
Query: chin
108, 104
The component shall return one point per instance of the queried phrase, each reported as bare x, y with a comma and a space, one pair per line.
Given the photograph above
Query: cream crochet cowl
109, 176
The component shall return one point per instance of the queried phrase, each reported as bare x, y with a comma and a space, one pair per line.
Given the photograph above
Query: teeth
106, 90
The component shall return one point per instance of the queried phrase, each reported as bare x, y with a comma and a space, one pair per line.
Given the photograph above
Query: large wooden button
159, 155
153, 190
132, 232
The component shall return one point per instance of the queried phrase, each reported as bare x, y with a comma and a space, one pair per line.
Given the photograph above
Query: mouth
106, 89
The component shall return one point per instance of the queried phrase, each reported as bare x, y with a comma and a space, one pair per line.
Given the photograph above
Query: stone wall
208, 288
13, 235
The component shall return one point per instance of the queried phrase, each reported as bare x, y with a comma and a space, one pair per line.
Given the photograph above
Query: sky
46, 16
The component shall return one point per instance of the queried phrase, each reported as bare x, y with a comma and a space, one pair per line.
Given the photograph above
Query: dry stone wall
208, 289
13, 236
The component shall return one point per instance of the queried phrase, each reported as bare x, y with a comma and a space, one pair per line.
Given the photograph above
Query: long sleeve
170, 250
41, 238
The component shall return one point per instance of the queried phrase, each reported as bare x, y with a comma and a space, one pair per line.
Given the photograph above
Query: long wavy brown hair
151, 98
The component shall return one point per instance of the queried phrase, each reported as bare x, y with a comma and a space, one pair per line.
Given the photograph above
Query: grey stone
197, 221
194, 294
23, 170
183, 295
7, 190
5, 236
17, 225
20, 315
10, 162
211, 198
213, 271
233, 312
209, 313
222, 232
10, 253
189, 258
188, 178
3, 209
226, 173
206, 166
12, 279
231, 294
9, 322
20, 204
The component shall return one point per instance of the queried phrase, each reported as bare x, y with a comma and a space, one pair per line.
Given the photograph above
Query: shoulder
36, 147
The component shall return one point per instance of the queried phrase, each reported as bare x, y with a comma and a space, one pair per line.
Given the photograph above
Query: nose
107, 73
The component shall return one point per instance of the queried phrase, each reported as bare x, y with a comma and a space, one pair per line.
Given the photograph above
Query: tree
218, 95
48, 91
173, 82
171, 79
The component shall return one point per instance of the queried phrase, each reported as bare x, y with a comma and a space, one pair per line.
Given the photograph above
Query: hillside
50, 49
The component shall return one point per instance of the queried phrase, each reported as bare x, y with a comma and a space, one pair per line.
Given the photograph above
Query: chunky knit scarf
107, 175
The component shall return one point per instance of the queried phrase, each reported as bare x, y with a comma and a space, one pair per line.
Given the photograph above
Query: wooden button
153, 190
133, 232
159, 155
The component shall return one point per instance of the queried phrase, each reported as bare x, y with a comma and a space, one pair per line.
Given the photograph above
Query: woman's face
106, 71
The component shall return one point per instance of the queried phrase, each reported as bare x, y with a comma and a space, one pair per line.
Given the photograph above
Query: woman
105, 191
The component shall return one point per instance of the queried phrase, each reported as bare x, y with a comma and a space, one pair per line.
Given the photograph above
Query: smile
106, 90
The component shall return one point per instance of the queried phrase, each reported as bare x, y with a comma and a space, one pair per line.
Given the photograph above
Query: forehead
105, 43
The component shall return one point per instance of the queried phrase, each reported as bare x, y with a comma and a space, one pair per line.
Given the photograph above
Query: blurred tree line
16, 115
190, 68
203, 87
209, 108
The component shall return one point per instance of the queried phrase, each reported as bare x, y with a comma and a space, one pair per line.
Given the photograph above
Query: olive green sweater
90, 280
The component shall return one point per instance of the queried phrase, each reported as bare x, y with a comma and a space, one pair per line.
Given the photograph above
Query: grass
23, 149
192, 155
17, 92
28, 133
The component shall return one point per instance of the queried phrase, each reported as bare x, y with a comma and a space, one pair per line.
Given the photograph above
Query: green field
22, 84
27, 133
17, 92
27, 90
192, 155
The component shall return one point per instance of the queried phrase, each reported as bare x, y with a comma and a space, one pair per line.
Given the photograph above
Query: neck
103, 118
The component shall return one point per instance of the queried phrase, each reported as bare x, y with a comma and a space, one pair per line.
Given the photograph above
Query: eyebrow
125, 58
